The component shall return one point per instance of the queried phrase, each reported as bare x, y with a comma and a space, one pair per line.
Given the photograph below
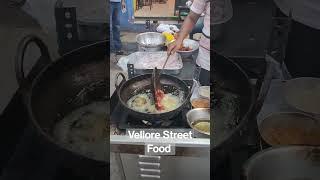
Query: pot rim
248, 164
197, 109
245, 117
28, 103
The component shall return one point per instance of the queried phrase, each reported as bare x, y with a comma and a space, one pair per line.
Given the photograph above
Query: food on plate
202, 125
144, 103
183, 48
204, 91
200, 103
152, 60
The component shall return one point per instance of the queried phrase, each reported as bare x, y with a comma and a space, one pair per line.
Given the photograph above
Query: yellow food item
170, 102
143, 103
169, 37
202, 125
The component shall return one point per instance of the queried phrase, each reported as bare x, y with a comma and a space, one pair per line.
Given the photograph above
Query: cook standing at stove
115, 7
203, 60
199, 25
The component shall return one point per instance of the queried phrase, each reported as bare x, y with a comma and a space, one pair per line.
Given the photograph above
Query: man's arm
186, 28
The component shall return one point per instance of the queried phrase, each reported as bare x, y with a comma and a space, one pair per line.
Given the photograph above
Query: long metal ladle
155, 79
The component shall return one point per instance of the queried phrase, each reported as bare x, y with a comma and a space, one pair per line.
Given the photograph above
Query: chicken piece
159, 96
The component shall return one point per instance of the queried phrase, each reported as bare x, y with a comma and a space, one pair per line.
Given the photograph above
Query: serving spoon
157, 92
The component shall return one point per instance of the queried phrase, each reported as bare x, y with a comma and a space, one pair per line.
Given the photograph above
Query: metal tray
137, 71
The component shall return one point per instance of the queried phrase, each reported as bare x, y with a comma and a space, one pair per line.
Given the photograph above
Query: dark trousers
115, 9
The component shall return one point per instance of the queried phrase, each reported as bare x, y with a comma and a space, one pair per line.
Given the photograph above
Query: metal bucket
284, 163
290, 128
150, 41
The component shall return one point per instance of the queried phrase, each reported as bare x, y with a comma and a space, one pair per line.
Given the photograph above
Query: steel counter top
193, 147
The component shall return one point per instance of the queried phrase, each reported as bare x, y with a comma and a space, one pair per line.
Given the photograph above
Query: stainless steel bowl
150, 41
285, 163
195, 115
194, 45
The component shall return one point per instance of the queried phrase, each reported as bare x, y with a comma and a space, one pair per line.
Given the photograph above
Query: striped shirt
199, 7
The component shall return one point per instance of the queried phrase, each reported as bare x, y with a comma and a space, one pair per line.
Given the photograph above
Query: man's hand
186, 28
174, 46
123, 5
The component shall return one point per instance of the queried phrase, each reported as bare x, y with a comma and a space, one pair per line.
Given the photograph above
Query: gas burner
147, 124
157, 124
128, 121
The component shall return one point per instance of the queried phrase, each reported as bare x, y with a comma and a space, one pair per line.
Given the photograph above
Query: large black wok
141, 84
235, 104
231, 107
74, 80
233, 100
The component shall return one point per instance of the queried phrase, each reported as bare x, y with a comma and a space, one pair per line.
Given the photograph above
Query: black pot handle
117, 78
264, 85
262, 89
41, 63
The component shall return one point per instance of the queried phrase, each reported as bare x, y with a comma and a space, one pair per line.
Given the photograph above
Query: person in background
199, 25
116, 6
302, 52
203, 60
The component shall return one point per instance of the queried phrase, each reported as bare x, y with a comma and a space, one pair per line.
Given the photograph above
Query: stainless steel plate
303, 94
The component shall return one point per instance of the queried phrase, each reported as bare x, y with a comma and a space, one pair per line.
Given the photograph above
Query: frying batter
144, 103
84, 131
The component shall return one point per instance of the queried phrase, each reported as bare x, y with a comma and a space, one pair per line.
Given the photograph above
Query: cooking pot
150, 41
303, 94
194, 45
142, 83
198, 114
55, 89
233, 101
285, 163
290, 128
234, 105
